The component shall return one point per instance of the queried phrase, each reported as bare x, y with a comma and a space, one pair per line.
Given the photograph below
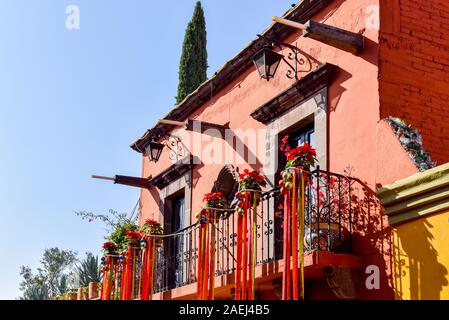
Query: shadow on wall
419, 275
372, 241
336, 90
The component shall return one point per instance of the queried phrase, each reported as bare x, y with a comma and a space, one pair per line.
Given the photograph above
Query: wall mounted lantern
267, 62
155, 151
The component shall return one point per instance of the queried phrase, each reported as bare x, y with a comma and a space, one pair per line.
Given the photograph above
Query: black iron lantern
155, 150
267, 62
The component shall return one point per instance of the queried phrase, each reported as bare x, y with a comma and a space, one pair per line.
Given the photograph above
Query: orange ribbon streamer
107, 279
246, 249
148, 269
293, 273
206, 259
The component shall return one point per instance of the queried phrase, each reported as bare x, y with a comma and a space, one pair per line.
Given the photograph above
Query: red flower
109, 245
305, 152
133, 234
213, 196
151, 222
250, 178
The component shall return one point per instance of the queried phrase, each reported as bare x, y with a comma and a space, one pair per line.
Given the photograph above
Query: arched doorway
227, 182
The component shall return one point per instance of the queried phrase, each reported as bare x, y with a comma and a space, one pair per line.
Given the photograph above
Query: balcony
330, 202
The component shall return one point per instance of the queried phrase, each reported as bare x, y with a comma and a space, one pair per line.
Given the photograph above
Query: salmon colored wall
414, 66
354, 117
421, 259
353, 99
392, 162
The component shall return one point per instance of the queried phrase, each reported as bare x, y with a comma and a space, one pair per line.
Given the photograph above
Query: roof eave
301, 12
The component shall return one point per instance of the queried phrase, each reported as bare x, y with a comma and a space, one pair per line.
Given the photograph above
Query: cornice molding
298, 92
173, 173
419, 195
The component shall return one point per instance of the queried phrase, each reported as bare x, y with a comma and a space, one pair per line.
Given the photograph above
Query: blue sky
71, 102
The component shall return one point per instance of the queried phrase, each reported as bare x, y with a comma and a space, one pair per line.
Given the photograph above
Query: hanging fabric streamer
294, 230
302, 232
128, 285
123, 276
201, 257
148, 262
213, 235
286, 251
108, 276
215, 203
294, 204
206, 258
238, 281
254, 246
246, 246
247, 201
127, 276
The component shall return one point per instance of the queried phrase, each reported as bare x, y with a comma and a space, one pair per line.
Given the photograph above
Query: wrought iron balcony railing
330, 200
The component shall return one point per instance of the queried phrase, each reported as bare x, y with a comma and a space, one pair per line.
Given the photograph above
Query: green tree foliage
89, 270
51, 278
193, 65
116, 225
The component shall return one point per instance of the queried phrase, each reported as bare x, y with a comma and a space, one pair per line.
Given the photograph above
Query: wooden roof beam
333, 36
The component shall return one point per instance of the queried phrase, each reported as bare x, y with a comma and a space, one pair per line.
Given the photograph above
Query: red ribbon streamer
246, 249
148, 269
107, 279
293, 273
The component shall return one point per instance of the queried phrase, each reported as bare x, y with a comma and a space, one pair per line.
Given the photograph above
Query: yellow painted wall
421, 258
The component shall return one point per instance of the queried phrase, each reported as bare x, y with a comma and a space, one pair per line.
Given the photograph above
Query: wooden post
336, 37
290, 23
93, 290
171, 122
103, 178
333, 36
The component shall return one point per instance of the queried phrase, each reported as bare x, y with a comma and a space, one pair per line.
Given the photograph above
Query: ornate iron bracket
178, 149
293, 59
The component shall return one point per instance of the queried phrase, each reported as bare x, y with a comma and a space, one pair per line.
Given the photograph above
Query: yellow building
418, 211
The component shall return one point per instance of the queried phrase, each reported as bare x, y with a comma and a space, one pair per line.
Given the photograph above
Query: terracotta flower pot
79, 294
93, 290
71, 296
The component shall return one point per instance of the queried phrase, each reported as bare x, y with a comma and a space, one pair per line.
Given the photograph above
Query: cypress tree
193, 65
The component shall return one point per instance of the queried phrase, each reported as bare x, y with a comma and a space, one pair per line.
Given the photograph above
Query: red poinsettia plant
301, 156
215, 200
109, 248
251, 180
133, 235
151, 227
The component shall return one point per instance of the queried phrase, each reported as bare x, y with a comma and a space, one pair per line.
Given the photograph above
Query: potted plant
133, 237
109, 248
253, 182
212, 200
151, 227
93, 291
303, 157
72, 295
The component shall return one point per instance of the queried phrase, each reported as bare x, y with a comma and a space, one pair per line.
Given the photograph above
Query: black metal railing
329, 203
